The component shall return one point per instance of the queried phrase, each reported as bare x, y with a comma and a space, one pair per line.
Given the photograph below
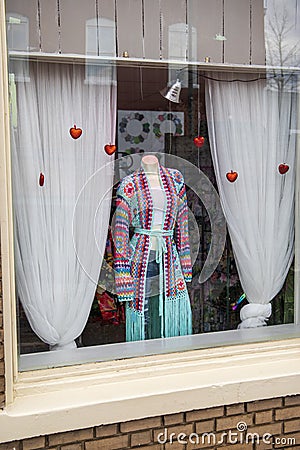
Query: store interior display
145, 121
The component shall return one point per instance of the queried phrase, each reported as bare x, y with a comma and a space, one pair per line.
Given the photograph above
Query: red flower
129, 189
180, 284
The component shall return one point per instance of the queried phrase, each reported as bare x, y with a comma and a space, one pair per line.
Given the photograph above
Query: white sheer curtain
250, 127
58, 259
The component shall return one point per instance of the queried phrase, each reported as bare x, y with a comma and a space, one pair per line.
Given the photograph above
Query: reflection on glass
235, 131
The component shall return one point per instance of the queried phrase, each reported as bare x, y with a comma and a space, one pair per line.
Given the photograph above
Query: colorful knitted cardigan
135, 209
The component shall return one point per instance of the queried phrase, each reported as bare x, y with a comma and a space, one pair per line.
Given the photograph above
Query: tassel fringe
177, 320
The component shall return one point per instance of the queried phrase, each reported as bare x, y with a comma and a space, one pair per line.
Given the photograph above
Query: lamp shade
173, 92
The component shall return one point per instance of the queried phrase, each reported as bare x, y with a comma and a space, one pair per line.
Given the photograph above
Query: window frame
144, 386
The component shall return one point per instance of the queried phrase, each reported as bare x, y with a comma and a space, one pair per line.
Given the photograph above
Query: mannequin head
150, 160
150, 164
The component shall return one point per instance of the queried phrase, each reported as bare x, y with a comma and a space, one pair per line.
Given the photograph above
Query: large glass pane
112, 247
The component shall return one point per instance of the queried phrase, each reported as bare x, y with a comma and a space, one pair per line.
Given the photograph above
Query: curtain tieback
255, 315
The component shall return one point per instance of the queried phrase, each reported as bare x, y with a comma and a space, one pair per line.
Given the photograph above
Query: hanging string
143, 28
39, 24
97, 30
235, 80
160, 31
251, 31
216, 79
116, 29
141, 83
58, 26
199, 118
223, 30
186, 32
198, 107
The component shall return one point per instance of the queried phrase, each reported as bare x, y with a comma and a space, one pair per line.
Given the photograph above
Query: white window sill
67, 398
110, 352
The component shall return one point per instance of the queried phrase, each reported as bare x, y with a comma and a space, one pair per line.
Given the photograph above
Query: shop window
81, 189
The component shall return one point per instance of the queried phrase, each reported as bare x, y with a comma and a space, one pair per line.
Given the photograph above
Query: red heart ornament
110, 149
231, 176
75, 132
41, 179
283, 168
199, 141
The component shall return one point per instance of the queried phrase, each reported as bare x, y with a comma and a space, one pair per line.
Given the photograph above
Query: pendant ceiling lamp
172, 93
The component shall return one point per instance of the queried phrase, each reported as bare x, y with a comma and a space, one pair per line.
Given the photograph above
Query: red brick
70, 436
142, 424
173, 419
14, 445
264, 417
111, 443
72, 447
264, 446
172, 446
2, 400
292, 400
142, 438
107, 430
147, 447
287, 413
291, 425
205, 414
271, 428
33, 443
260, 405
205, 426
231, 422
239, 408
2, 384
238, 447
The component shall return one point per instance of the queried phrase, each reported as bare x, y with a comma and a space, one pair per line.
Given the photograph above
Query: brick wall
2, 379
279, 417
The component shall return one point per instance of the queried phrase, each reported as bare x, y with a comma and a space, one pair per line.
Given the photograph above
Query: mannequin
150, 165
152, 201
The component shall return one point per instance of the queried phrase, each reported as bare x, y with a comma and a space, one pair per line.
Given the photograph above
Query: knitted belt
161, 248
161, 244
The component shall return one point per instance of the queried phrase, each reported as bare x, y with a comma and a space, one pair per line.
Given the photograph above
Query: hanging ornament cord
97, 28
143, 45
143, 27
160, 31
198, 117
